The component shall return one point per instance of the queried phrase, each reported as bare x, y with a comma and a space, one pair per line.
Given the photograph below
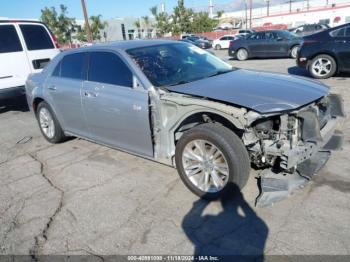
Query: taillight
54, 39
232, 43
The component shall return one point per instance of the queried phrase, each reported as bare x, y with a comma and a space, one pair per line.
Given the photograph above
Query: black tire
332, 71
244, 56
217, 47
58, 132
293, 53
233, 150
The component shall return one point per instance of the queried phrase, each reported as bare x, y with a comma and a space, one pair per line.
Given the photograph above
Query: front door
117, 111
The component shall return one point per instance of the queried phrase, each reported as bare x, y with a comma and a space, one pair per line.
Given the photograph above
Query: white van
25, 48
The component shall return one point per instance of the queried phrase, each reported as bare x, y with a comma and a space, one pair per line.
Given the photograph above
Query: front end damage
292, 147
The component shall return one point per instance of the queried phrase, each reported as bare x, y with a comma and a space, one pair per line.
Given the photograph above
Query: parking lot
82, 198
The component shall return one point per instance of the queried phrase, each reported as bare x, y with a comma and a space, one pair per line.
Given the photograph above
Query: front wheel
323, 66
210, 159
217, 47
242, 54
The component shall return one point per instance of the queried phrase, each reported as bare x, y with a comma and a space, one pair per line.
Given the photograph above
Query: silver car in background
179, 105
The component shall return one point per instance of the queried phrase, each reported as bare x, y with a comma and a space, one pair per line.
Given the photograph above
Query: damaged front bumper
300, 163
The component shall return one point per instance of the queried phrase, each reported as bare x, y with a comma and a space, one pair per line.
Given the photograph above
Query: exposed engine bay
289, 147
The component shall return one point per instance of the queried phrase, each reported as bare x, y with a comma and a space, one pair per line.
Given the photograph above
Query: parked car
326, 53
309, 29
197, 42
223, 42
246, 32
271, 43
179, 105
25, 48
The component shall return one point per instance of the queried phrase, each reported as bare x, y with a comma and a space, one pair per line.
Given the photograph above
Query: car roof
125, 45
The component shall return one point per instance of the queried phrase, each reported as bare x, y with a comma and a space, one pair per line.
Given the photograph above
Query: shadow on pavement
14, 104
298, 71
236, 230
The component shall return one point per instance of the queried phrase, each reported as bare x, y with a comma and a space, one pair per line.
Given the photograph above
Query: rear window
36, 37
72, 66
9, 41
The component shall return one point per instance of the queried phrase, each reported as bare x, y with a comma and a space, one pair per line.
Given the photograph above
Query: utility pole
307, 5
87, 25
290, 5
246, 14
268, 7
250, 13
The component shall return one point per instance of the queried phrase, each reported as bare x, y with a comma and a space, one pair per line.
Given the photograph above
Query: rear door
116, 108
40, 45
14, 67
276, 44
341, 46
64, 89
257, 44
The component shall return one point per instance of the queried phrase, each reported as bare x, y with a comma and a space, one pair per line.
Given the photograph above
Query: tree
220, 13
162, 21
203, 23
182, 18
96, 25
61, 25
137, 24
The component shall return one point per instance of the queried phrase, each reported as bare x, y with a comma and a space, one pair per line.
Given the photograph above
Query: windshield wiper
220, 72
180, 83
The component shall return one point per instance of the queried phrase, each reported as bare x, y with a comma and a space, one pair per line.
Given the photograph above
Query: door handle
52, 87
90, 94
340, 41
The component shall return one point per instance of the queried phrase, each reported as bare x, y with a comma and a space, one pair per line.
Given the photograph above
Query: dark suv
326, 53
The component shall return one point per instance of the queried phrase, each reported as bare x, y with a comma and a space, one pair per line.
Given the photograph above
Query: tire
328, 68
45, 116
217, 47
242, 54
294, 51
233, 152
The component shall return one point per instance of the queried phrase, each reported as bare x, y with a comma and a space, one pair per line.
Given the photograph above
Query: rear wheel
49, 126
242, 54
210, 159
323, 66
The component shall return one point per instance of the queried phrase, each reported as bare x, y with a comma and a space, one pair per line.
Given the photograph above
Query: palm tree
97, 25
154, 11
137, 24
146, 23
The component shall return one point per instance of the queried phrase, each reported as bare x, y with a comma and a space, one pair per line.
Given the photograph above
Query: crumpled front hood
261, 91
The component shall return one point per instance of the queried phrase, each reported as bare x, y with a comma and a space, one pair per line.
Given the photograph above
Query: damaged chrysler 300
179, 105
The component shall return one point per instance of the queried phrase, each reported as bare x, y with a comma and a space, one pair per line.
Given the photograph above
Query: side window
347, 32
223, 38
338, 33
9, 41
230, 38
72, 66
108, 68
57, 71
36, 37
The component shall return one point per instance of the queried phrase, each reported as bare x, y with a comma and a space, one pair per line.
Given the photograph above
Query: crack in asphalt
40, 239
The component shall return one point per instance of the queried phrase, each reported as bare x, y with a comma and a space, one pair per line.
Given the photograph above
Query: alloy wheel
47, 124
205, 166
321, 67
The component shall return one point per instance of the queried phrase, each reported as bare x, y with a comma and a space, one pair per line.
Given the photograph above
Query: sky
30, 9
